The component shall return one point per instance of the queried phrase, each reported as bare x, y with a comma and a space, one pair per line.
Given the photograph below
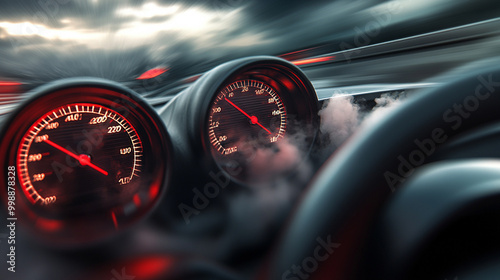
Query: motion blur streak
153, 73
313, 60
7, 84
10, 87
119, 40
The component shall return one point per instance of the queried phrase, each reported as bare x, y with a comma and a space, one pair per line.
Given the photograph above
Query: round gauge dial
91, 158
77, 153
245, 111
245, 118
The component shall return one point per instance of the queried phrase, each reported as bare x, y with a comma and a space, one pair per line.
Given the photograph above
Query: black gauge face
245, 113
245, 110
77, 154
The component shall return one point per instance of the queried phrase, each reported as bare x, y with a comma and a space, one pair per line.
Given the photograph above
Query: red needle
253, 119
83, 159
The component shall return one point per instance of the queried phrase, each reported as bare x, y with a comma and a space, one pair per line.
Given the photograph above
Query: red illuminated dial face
78, 157
245, 111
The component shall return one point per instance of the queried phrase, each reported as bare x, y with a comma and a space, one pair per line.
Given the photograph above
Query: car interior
233, 139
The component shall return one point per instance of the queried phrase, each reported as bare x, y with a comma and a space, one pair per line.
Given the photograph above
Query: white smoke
385, 103
341, 116
277, 174
271, 163
280, 173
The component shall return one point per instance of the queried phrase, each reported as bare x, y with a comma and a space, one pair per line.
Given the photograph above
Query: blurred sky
119, 39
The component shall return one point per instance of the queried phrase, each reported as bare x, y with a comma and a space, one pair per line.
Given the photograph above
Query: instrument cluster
91, 157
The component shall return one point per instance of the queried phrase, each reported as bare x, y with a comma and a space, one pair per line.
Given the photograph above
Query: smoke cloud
341, 116
278, 173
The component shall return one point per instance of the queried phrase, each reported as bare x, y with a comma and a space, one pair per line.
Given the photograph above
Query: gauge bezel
156, 143
186, 118
291, 85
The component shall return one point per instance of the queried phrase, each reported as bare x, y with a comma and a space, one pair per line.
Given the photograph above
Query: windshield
51, 39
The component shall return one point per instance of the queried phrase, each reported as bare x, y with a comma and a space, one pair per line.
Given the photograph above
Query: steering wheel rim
325, 235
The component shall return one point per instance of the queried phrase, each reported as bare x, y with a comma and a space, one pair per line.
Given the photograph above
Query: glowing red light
9, 84
48, 225
10, 87
137, 200
115, 222
313, 60
296, 52
150, 268
155, 72
153, 191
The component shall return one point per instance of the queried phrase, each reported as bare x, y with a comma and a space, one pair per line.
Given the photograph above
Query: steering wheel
376, 205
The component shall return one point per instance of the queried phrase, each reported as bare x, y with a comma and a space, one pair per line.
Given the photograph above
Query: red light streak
153, 191
10, 87
83, 159
155, 72
313, 60
296, 52
7, 83
115, 222
253, 119
137, 200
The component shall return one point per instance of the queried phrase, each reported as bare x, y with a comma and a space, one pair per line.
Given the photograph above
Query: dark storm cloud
92, 14
262, 27
51, 12
42, 64
297, 24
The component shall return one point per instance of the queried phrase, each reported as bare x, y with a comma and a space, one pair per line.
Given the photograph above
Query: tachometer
246, 111
247, 123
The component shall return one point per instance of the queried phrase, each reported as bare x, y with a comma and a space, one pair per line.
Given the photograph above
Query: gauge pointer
253, 119
83, 159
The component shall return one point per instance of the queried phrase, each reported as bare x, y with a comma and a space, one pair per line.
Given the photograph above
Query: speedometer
244, 111
77, 145
91, 158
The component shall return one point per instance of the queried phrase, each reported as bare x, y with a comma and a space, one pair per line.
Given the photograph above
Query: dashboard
87, 159
197, 181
